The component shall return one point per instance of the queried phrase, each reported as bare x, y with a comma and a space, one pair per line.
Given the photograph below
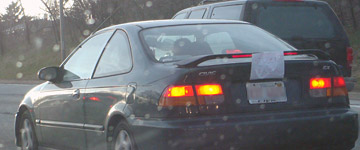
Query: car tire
123, 139
28, 140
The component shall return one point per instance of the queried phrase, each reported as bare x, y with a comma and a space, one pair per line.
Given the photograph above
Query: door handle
130, 93
76, 94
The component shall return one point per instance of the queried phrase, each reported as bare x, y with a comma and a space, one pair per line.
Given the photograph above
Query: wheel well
114, 121
22, 109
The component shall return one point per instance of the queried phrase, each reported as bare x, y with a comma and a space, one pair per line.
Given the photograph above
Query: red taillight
206, 94
320, 83
290, 53
242, 56
95, 99
178, 96
349, 57
209, 89
179, 91
340, 87
326, 87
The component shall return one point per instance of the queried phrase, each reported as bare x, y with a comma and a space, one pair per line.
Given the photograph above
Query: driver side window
82, 63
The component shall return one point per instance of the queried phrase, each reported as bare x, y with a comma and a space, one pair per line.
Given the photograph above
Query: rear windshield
174, 43
296, 21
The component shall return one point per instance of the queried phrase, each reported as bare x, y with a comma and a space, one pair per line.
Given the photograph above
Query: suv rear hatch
303, 24
234, 80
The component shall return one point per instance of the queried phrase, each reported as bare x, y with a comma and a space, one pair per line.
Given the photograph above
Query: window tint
197, 14
82, 63
227, 12
220, 41
116, 57
307, 21
176, 43
180, 16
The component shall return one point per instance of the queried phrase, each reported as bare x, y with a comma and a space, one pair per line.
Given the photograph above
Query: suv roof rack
203, 2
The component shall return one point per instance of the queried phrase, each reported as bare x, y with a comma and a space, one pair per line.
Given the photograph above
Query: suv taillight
349, 56
185, 95
327, 87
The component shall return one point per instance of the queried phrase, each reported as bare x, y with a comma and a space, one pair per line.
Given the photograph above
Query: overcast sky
32, 7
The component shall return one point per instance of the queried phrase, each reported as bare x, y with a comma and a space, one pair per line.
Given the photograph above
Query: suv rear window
296, 21
181, 42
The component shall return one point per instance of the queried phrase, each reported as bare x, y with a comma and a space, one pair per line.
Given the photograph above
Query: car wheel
123, 139
27, 133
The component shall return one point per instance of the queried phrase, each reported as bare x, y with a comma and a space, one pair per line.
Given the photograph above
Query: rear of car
211, 102
305, 24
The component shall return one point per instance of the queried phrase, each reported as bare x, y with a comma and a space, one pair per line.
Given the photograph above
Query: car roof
222, 2
171, 22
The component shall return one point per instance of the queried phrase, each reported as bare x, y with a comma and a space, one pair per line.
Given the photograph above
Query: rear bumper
350, 83
316, 128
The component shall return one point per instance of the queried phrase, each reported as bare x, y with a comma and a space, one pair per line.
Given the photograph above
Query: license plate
266, 92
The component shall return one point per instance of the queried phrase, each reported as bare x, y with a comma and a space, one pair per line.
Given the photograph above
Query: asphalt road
11, 95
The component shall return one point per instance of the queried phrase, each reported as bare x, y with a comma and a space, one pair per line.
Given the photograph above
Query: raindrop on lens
222, 77
327, 45
19, 64
238, 101
19, 75
56, 48
262, 106
90, 21
38, 43
132, 116
21, 57
225, 118
222, 137
147, 116
254, 6
86, 32
149, 3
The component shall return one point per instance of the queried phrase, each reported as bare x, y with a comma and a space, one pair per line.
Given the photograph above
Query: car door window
82, 63
197, 14
227, 12
180, 16
116, 58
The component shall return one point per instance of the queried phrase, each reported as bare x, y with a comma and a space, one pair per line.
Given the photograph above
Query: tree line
84, 16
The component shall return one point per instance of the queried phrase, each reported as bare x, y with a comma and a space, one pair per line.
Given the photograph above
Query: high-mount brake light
233, 51
242, 56
206, 94
290, 53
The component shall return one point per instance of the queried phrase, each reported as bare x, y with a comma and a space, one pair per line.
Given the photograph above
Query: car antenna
102, 23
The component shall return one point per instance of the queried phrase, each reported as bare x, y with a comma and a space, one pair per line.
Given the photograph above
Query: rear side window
308, 21
180, 16
116, 58
197, 14
82, 63
227, 12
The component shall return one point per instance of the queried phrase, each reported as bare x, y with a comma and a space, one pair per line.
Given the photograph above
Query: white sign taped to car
267, 65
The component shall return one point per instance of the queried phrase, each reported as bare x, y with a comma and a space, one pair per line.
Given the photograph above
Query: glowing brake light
206, 94
326, 87
179, 91
211, 89
290, 53
320, 83
242, 56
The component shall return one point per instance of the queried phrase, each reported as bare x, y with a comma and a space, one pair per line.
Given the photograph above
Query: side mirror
49, 74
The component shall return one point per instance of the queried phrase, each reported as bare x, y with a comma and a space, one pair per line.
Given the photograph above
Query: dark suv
305, 24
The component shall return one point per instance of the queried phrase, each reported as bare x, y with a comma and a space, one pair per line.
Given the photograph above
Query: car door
61, 104
107, 87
